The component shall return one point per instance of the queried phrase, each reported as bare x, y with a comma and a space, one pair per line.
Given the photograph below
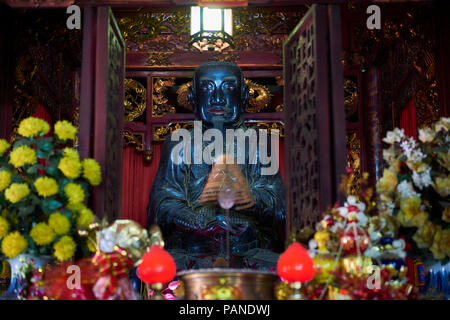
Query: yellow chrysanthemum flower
441, 244
64, 248
92, 171
85, 217
14, 244
71, 153
65, 130
22, 155
59, 223
410, 214
5, 179
46, 186
444, 159
4, 145
71, 167
76, 207
16, 192
442, 185
388, 182
4, 227
42, 234
446, 214
31, 127
74, 193
425, 234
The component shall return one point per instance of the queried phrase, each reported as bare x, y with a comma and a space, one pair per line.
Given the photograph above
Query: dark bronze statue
193, 232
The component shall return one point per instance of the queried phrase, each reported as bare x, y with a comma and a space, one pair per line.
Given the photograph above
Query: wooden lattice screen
315, 123
101, 109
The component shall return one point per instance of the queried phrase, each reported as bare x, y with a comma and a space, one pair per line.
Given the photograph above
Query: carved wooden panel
310, 100
101, 110
114, 121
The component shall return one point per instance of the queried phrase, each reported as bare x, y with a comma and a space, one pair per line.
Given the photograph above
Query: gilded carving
426, 95
160, 104
260, 96
351, 97
137, 140
134, 139
135, 99
159, 59
169, 31
354, 160
161, 132
268, 126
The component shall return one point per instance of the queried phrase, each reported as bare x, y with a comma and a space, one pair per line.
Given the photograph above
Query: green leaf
42, 154
51, 171
33, 169
22, 142
25, 211
44, 144
50, 205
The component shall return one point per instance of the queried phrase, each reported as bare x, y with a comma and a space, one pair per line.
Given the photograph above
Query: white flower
394, 136
375, 236
422, 179
352, 201
336, 226
426, 135
362, 219
312, 245
443, 123
372, 253
389, 154
386, 206
406, 190
343, 211
399, 244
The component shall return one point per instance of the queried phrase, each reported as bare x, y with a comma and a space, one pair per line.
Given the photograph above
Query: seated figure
195, 232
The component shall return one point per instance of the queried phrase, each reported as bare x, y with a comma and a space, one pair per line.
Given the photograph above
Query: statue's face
218, 94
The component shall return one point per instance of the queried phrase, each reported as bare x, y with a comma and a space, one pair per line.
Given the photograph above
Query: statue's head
219, 93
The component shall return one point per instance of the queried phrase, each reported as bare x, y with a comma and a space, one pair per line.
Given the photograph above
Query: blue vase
438, 280
16, 264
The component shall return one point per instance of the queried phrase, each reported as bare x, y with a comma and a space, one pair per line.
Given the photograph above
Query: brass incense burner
228, 284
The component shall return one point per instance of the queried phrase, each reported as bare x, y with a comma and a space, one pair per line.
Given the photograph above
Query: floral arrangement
415, 187
351, 243
43, 184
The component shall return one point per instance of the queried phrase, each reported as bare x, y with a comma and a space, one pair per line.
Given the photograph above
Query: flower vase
437, 284
16, 265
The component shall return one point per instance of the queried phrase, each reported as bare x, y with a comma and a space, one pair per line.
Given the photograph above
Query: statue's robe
178, 187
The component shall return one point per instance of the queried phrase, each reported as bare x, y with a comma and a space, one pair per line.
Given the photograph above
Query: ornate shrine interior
391, 75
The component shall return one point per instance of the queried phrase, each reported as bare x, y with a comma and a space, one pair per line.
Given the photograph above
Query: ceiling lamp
211, 28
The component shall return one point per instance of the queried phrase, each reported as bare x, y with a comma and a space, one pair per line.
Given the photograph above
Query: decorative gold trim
354, 160
135, 99
161, 132
160, 106
260, 96
159, 59
137, 140
351, 97
182, 96
268, 126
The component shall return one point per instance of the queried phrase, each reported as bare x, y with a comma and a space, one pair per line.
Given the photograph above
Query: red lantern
354, 239
295, 264
157, 266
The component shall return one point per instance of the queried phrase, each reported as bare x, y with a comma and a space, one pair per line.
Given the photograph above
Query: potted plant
43, 188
